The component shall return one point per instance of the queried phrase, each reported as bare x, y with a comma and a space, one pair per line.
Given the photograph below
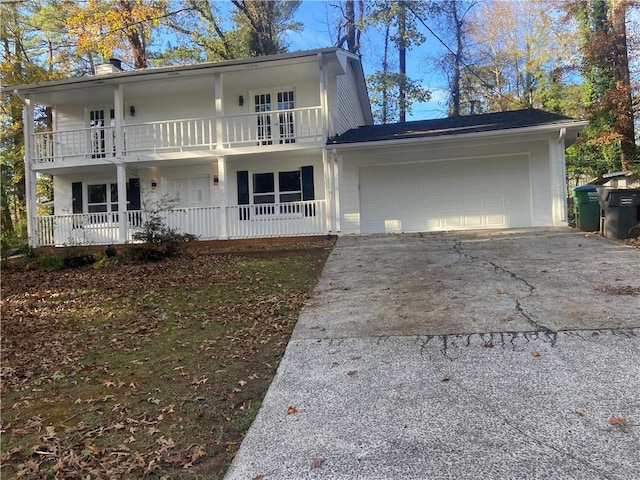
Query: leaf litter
144, 369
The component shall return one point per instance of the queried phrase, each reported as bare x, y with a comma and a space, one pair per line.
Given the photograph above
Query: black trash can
621, 208
587, 207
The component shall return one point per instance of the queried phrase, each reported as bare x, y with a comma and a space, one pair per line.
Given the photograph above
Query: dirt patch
145, 369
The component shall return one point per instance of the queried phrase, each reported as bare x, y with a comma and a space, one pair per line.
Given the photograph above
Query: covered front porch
206, 223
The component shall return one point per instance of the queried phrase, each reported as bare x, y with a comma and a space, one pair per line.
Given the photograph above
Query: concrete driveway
474, 355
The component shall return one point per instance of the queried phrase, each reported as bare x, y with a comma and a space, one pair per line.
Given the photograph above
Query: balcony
275, 129
207, 223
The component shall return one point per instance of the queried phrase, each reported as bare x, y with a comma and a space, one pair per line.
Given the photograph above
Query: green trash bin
587, 206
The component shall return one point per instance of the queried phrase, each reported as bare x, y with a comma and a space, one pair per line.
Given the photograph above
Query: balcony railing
243, 221
281, 127
272, 128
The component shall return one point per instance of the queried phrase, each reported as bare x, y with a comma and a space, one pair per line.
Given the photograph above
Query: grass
144, 370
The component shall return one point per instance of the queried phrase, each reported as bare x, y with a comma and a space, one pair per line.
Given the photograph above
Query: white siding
349, 108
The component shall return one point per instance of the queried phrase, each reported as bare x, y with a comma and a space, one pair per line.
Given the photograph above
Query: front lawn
156, 370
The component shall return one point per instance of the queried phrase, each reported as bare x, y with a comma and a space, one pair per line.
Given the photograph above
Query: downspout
29, 175
337, 190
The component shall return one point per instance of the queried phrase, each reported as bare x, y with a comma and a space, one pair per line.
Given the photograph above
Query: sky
319, 20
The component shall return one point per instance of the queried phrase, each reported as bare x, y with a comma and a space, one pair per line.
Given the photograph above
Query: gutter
186, 70
19, 96
462, 136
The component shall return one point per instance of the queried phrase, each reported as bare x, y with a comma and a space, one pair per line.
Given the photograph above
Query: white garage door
453, 195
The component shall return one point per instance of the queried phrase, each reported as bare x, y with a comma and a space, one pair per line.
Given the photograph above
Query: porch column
118, 107
30, 177
222, 196
122, 202
333, 191
326, 159
338, 194
218, 105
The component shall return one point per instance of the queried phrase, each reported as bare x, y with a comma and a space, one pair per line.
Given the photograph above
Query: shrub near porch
145, 369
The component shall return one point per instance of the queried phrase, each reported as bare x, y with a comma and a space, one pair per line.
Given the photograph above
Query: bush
159, 240
67, 258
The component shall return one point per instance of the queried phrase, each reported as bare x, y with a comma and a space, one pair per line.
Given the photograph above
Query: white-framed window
102, 197
261, 192
270, 188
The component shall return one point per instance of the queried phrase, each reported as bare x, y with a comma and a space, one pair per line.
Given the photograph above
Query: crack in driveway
459, 249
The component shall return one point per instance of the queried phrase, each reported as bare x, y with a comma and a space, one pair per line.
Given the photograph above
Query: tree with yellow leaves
123, 26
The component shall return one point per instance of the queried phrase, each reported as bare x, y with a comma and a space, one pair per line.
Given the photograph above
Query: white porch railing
95, 142
277, 219
281, 127
273, 128
244, 221
171, 134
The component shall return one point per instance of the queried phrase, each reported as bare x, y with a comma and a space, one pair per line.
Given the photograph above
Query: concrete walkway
475, 355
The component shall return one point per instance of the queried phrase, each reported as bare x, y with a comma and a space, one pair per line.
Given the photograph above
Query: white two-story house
279, 145
225, 150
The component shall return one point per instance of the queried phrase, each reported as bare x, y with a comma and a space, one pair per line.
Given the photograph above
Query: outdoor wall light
132, 111
216, 180
154, 186
241, 100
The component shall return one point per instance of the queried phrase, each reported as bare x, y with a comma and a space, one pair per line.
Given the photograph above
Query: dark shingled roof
450, 126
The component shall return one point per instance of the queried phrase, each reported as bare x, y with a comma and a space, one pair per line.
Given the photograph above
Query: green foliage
257, 28
159, 241
69, 257
384, 93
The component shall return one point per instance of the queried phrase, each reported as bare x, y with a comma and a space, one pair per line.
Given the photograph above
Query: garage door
451, 195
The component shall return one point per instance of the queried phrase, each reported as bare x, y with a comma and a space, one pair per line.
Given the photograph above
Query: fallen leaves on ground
292, 409
317, 463
144, 369
617, 421
535, 353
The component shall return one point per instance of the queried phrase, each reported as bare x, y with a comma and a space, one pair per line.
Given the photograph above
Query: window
102, 201
264, 193
98, 200
284, 188
289, 186
268, 188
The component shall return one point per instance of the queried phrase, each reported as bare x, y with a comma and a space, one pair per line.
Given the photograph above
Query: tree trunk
455, 80
624, 122
402, 51
385, 71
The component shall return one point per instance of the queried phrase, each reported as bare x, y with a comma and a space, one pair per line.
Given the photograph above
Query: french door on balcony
275, 121
101, 136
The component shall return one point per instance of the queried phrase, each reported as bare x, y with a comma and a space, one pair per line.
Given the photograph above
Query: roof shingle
450, 126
